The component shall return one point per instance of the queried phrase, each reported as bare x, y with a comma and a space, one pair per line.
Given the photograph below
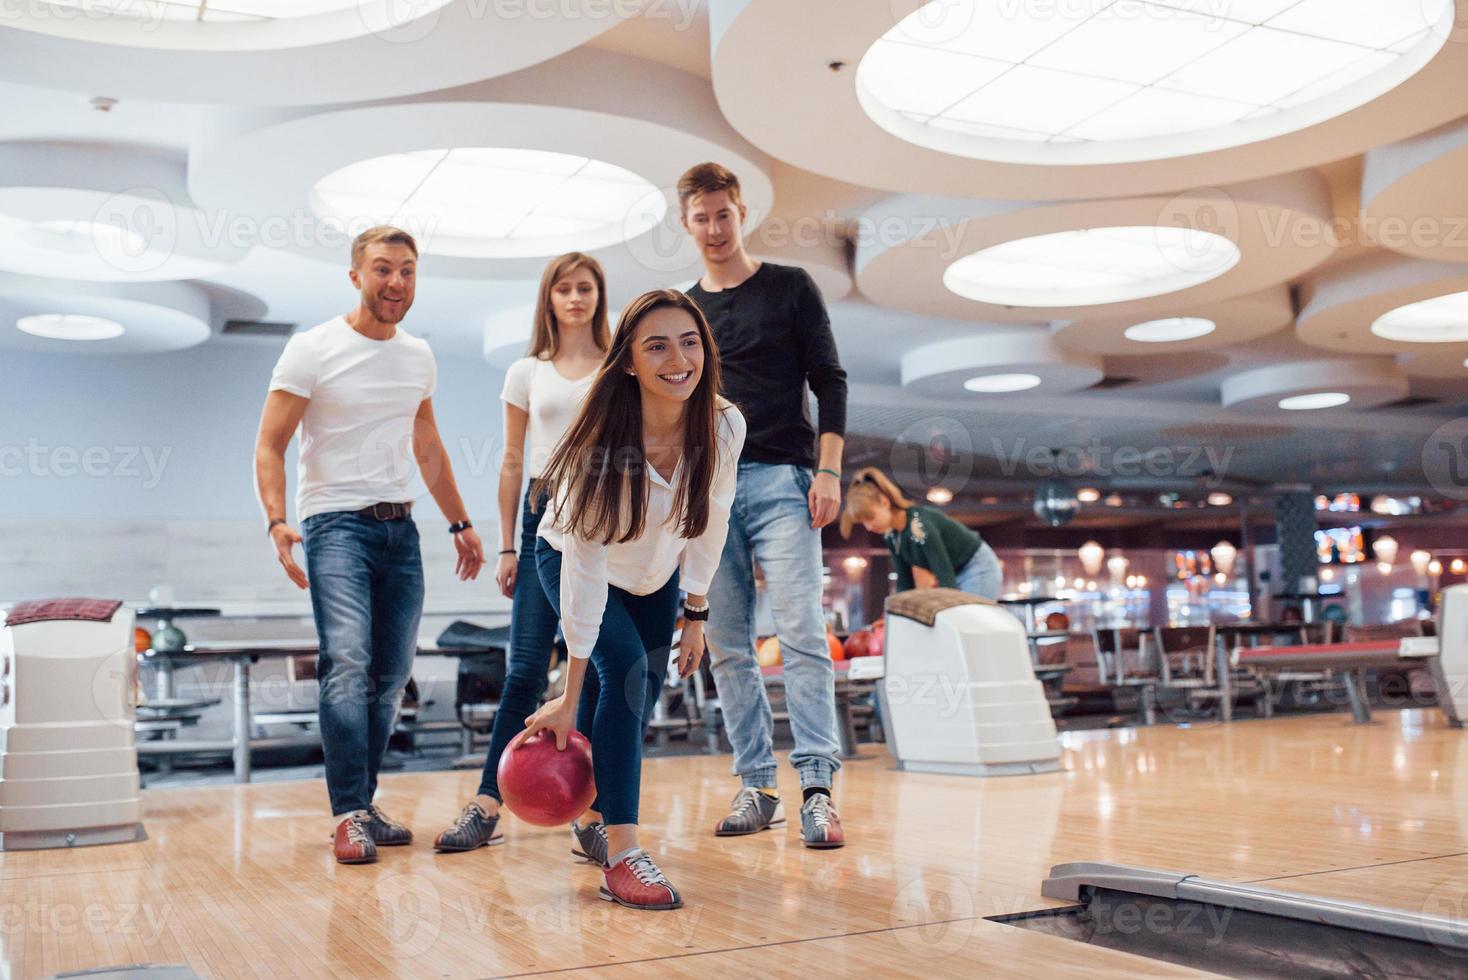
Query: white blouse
644, 565
550, 399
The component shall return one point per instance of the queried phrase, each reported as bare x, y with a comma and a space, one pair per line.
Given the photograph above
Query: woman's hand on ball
559, 716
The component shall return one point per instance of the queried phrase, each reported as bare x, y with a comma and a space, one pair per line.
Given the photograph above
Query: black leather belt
387, 511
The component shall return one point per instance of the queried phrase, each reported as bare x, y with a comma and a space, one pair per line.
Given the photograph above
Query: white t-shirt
642, 566
356, 435
550, 399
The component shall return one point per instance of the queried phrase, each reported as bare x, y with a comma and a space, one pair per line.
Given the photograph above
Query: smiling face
574, 297
716, 224
387, 278
667, 354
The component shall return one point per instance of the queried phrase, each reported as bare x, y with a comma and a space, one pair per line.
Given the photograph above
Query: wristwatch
460, 526
696, 614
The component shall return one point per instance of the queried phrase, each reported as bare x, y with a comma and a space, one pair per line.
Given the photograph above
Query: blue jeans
367, 595
770, 524
981, 574
636, 634
532, 634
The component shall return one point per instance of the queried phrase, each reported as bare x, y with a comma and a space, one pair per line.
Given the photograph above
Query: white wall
121, 473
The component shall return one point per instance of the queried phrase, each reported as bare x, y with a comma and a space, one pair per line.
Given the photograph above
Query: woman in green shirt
921, 537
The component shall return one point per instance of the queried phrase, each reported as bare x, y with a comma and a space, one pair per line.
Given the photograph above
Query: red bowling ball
544, 786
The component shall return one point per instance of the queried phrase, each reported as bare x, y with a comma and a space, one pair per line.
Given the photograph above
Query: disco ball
1056, 503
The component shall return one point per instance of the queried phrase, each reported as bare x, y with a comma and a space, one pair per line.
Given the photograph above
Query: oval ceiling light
1314, 401
998, 384
493, 203
1440, 320
1091, 266
1095, 82
1170, 330
67, 326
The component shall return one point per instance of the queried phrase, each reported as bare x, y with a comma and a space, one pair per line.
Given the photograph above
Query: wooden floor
239, 881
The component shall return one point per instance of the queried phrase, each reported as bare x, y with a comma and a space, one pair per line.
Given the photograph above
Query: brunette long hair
600, 463
545, 338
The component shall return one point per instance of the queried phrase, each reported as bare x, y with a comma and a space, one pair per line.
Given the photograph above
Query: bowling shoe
751, 812
474, 829
385, 831
590, 842
820, 827
638, 883
353, 841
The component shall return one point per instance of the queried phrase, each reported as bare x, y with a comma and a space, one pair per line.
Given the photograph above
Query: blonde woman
920, 538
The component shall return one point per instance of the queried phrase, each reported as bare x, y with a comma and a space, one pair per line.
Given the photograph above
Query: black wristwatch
460, 526
274, 521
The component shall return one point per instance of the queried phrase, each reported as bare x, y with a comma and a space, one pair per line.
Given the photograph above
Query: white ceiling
833, 192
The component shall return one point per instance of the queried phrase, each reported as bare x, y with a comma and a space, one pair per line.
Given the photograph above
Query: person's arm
511, 476
559, 714
940, 562
827, 380
701, 555
278, 422
438, 474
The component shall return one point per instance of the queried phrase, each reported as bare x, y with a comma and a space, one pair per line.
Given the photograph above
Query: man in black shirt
774, 339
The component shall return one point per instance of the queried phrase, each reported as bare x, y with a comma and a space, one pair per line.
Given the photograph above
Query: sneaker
473, 829
590, 842
638, 883
751, 812
820, 826
385, 831
353, 841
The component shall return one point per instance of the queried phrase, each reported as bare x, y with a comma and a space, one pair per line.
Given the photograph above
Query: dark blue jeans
532, 633
626, 669
367, 596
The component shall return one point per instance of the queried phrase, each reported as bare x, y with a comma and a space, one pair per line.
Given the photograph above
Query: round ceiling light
1170, 330
1096, 82
222, 11
1091, 266
66, 326
996, 384
1440, 320
493, 203
1314, 401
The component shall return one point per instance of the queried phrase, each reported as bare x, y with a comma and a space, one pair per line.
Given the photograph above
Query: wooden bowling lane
239, 881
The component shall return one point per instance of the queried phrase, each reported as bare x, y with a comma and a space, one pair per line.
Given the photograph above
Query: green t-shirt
934, 541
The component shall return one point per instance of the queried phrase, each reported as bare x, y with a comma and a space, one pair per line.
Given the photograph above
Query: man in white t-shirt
360, 389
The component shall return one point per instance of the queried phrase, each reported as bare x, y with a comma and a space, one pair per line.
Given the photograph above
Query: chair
1127, 664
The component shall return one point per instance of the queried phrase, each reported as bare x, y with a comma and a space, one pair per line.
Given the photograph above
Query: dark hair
707, 178
545, 340
600, 463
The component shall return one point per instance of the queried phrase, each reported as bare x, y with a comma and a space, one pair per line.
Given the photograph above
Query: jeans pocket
802, 479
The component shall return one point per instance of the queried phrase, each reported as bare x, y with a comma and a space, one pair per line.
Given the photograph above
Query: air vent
258, 328
1113, 381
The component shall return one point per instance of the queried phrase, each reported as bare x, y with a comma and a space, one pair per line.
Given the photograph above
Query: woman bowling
640, 491
920, 537
543, 392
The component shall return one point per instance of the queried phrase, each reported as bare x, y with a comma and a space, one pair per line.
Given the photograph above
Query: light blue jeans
770, 524
981, 574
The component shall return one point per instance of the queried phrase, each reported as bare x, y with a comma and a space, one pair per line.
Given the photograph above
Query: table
1346, 659
1029, 602
241, 654
165, 616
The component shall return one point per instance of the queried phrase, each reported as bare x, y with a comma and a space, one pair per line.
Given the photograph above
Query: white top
551, 400
644, 565
356, 435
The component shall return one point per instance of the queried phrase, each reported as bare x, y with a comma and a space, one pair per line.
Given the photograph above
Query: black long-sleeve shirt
774, 339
